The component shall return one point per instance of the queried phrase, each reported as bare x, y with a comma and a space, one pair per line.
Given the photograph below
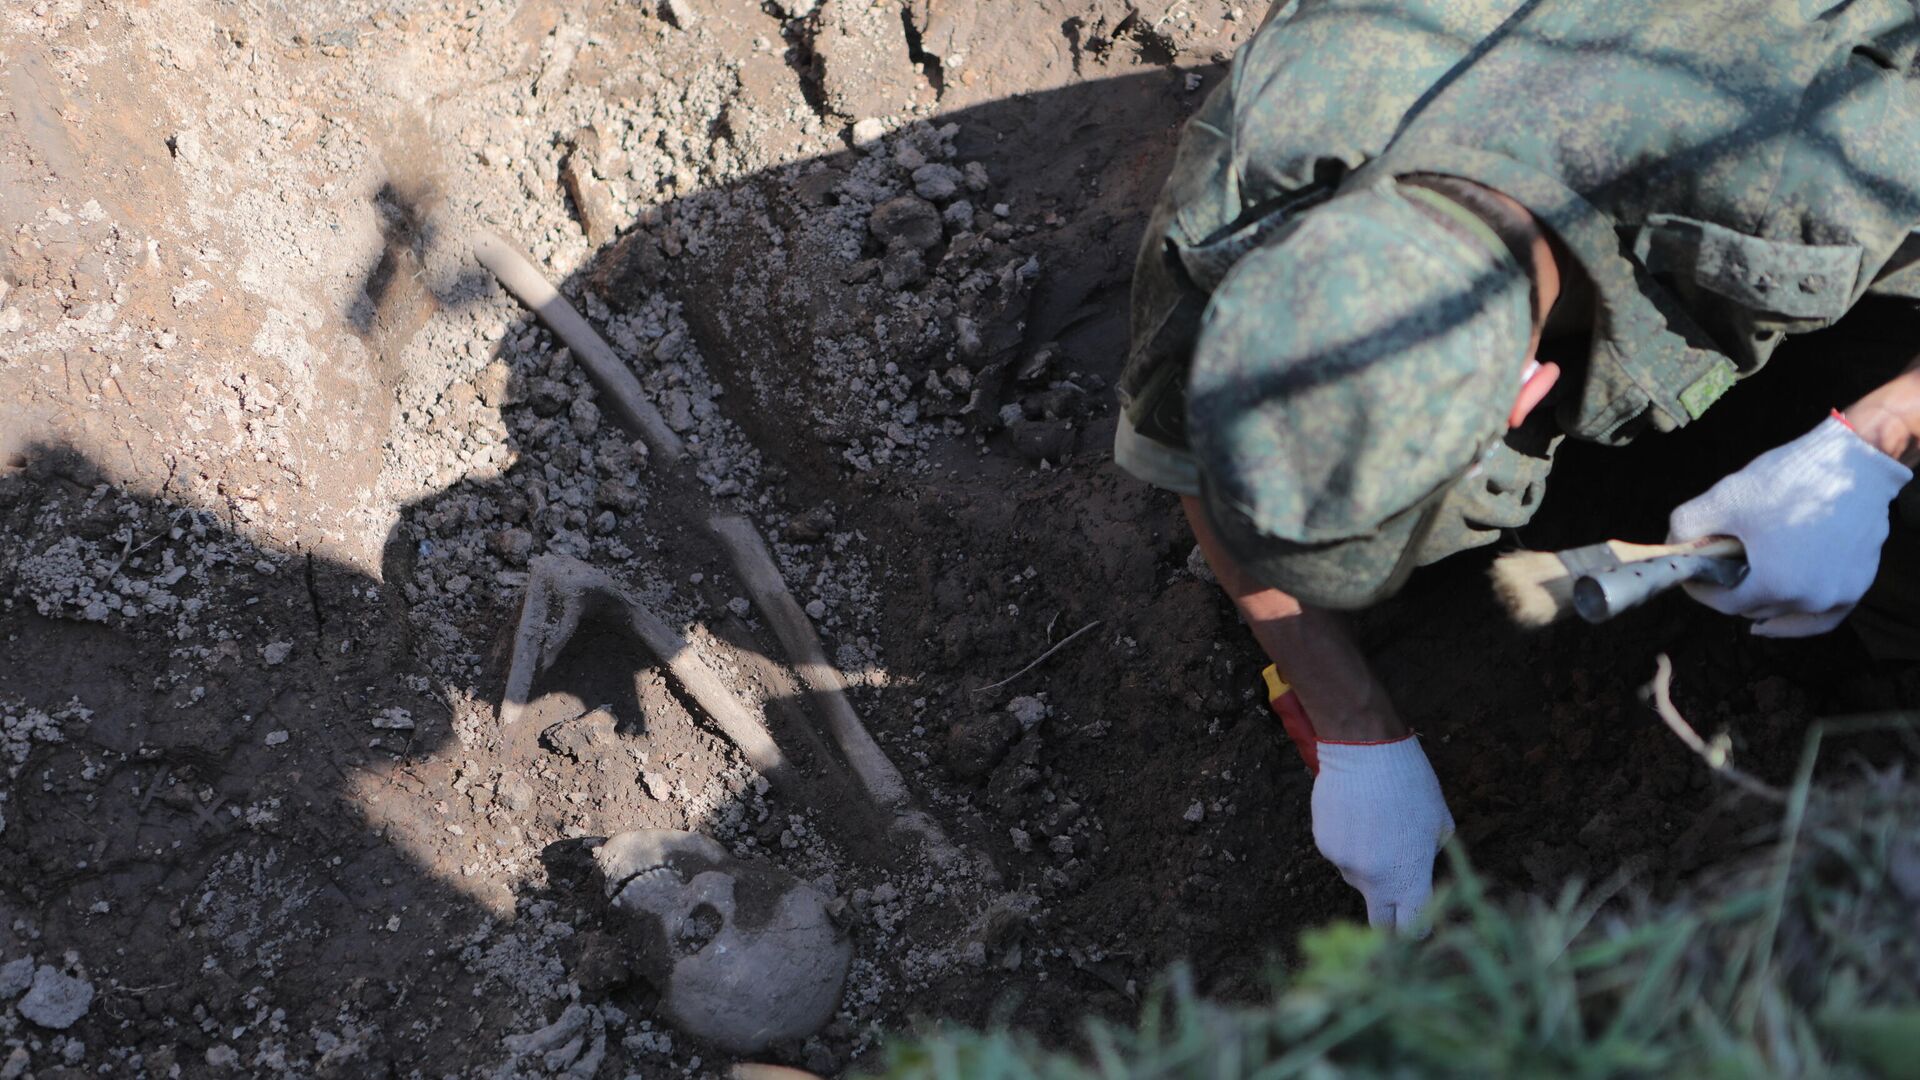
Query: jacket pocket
1799, 281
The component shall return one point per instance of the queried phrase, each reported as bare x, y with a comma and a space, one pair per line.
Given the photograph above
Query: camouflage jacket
1726, 172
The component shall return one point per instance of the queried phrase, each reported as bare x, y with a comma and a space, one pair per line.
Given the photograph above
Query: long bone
531, 288
870, 764
537, 644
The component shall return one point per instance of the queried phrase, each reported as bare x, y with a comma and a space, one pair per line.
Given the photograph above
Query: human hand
1812, 515
1379, 817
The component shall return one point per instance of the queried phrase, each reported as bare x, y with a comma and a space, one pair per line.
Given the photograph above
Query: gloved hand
1379, 817
1812, 515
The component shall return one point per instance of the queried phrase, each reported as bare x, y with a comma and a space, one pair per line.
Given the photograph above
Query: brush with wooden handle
1602, 580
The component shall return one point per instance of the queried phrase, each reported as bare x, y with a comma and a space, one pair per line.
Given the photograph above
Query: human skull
742, 953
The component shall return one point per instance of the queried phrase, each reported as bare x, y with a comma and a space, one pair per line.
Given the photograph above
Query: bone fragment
876, 773
553, 1036
558, 592
588, 1063
608, 372
554, 1059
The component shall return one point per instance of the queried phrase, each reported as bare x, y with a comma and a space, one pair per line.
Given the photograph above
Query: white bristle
1533, 586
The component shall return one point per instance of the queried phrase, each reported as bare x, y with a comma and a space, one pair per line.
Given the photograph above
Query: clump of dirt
277, 454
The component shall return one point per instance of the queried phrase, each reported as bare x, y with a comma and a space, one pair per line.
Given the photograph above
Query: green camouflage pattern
1382, 311
1725, 172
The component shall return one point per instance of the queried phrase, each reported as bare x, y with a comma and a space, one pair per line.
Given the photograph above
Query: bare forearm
1889, 417
1313, 649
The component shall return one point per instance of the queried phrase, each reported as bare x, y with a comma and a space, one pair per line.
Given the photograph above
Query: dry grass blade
1038, 660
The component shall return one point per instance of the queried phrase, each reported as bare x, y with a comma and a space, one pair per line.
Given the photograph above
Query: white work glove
1812, 515
1379, 817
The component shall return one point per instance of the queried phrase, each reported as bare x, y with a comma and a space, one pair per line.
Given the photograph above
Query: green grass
1799, 957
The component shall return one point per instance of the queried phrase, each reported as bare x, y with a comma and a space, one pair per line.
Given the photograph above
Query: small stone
1027, 710
937, 181
494, 384
276, 738
1197, 565
222, 1056
816, 609
591, 200
56, 1001
1195, 814
656, 785
978, 743
670, 346
514, 791
680, 13
583, 737
393, 718
584, 417
905, 222
548, 396
16, 1064
678, 410
1001, 210
739, 606
958, 215
616, 496
15, 977
514, 546
902, 269
966, 336
868, 131
186, 148
276, 653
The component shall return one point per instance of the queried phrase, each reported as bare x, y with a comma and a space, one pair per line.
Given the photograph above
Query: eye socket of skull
698, 929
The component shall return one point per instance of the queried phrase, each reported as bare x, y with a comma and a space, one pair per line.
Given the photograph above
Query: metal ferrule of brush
1601, 593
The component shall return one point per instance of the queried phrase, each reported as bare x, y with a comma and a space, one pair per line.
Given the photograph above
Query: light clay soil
275, 454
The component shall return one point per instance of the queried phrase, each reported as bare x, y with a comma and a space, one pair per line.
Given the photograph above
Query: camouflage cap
1347, 373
